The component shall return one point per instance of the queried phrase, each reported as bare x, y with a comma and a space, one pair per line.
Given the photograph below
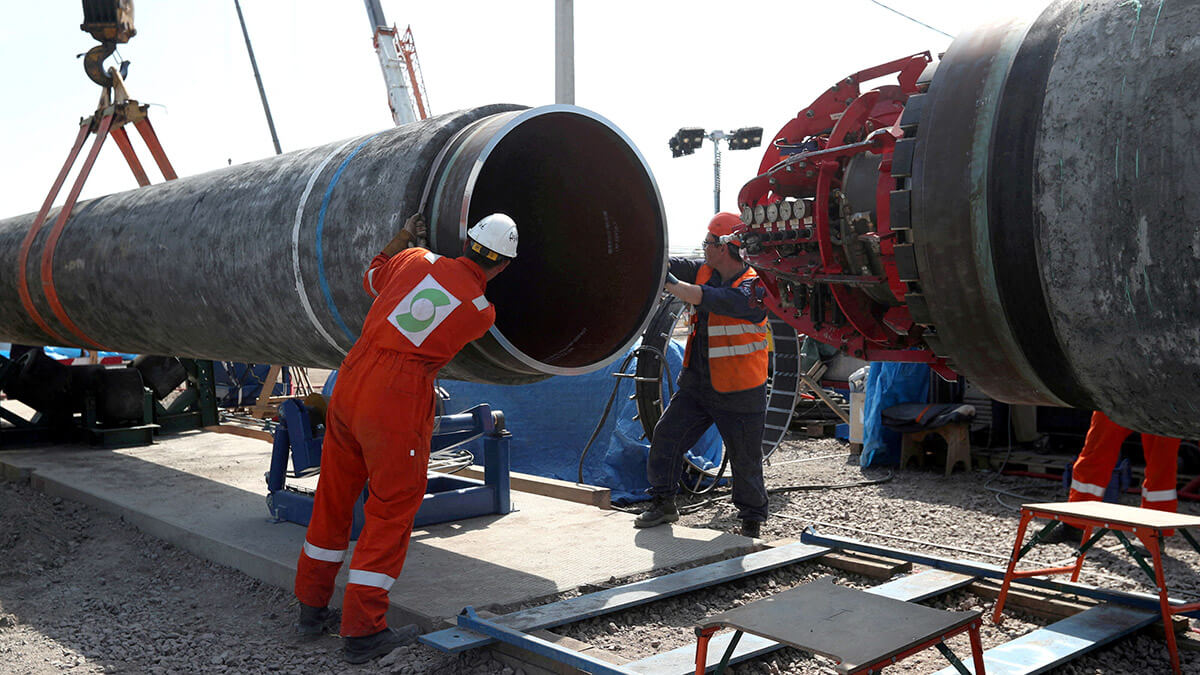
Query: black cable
692, 508
862, 483
922, 23
662, 367
715, 479
603, 418
999, 472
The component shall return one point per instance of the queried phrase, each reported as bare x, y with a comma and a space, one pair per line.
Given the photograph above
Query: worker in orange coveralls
380, 423
1102, 449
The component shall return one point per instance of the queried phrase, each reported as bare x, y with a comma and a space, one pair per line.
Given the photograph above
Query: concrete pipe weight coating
1056, 158
1021, 210
263, 262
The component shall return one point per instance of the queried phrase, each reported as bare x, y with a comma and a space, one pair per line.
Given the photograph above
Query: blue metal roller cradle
446, 498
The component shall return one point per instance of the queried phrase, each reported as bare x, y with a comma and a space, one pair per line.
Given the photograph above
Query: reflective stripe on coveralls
324, 554
1101, 450
379, 426
370, 283
365, 578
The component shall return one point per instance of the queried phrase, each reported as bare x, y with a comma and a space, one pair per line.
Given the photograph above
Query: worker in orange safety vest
380, 423
1102, 448
723, 381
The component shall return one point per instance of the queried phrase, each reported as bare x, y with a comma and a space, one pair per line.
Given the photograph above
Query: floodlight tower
688, 139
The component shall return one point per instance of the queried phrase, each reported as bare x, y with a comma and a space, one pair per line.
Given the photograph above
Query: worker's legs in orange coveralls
378, 427
1101, 449
1093, 469
1158, 487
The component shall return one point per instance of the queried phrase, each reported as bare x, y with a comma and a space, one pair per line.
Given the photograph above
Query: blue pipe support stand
470, 620
447, 497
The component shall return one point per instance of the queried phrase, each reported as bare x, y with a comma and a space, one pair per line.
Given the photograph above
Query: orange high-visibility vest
737, 349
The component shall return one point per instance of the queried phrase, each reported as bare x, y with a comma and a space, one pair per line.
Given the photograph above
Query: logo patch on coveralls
422, 310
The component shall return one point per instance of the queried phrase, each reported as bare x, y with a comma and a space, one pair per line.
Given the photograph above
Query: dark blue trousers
683, 423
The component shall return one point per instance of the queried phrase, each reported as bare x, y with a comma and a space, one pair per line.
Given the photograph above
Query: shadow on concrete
229, 524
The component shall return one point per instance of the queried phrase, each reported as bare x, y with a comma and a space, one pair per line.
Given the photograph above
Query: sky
649, 66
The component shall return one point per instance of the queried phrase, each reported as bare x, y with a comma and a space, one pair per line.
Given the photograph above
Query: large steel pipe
263, 262
1055, 199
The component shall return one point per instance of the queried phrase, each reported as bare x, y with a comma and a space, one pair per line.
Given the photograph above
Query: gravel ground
81, 591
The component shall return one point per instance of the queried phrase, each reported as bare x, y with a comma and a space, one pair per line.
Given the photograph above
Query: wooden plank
592, 495
1032, 601
1048, 606
454, 640
1135, 599
1183, 636
829, 402
1117, 514
875, 568
262, 407
241, 431
682, 661
268, 386
1062, 641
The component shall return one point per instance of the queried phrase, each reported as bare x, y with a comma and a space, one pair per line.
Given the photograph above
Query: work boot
367, 647
317, 621
662, 510
751, 528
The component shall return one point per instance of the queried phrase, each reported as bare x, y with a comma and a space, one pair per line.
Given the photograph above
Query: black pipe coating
263, 261
1055, 206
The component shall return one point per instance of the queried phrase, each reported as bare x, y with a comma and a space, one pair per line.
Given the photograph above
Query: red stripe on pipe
52, 241
27, 243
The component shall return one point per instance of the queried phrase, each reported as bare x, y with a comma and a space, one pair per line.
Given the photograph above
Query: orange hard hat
723, 223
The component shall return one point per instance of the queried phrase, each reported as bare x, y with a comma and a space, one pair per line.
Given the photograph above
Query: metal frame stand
447, 497
196, 407
863, 630
127, 436
1094, 528
704, 635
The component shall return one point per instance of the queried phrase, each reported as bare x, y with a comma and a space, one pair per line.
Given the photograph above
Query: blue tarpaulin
552, 420
60, 353
889, 384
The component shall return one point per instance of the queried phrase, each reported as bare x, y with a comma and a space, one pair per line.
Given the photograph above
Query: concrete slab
206, 492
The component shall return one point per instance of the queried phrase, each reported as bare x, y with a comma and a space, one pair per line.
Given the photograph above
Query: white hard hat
496, 232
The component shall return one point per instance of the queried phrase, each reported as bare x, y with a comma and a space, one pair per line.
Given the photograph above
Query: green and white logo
420, 312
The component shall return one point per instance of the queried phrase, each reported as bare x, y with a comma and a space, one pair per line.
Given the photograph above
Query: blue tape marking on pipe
337, 316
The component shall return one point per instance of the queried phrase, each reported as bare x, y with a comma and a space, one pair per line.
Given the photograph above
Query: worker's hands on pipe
414, 230
416, 227
689, 293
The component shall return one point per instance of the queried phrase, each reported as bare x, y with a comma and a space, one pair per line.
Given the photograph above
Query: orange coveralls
1102, 448
379, 425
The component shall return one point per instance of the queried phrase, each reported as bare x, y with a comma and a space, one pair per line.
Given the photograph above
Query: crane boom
401, 72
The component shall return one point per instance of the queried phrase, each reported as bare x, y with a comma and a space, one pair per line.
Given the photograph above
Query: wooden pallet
1026, 460
1054, 464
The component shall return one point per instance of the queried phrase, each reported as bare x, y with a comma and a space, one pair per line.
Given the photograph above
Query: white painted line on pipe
300, 290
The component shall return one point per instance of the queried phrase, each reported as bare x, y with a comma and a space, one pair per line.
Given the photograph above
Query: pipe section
263, 262
1054, 196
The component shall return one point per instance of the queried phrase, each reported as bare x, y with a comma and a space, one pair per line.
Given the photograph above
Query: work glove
416, 227
672, 279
